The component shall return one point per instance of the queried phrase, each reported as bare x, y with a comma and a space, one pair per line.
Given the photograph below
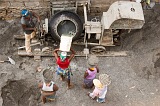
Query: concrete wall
10, 9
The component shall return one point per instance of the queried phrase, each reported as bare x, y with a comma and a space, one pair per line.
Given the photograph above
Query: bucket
65, 43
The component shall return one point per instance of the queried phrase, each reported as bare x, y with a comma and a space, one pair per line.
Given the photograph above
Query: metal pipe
85, 13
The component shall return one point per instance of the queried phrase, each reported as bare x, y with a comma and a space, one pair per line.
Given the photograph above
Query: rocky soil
135, 78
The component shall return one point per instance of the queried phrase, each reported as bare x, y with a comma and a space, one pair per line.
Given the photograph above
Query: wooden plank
79, 54
24, 53
38, 43
20, 37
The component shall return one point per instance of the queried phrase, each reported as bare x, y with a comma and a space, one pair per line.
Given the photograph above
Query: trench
16, 93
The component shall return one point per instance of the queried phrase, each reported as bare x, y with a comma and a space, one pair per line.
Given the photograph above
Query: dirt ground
135, 78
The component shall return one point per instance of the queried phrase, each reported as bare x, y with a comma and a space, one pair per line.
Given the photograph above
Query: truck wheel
65, 22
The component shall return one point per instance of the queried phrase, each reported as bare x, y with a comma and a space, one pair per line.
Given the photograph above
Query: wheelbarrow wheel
98, 50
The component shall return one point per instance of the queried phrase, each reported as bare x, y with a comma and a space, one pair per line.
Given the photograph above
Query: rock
151, 77
45, 49
39, 69
158, 18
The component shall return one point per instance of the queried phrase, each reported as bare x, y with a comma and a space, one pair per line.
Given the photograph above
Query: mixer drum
66, 22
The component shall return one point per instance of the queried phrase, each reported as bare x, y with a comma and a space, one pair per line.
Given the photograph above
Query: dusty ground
135, 78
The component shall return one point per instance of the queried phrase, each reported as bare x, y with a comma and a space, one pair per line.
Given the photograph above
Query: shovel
9, 60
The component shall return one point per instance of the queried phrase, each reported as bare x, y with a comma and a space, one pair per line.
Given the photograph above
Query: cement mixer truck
102, 31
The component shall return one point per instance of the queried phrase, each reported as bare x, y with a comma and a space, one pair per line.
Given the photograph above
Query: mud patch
16, 93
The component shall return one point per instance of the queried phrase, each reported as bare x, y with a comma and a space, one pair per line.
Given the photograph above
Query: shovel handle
3, 61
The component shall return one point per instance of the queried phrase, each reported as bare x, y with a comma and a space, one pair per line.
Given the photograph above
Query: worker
63, 62
28, 26
48, 87
100, 90
147, 3
90, 73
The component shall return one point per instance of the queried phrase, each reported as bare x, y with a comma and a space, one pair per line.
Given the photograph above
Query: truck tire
65, 22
